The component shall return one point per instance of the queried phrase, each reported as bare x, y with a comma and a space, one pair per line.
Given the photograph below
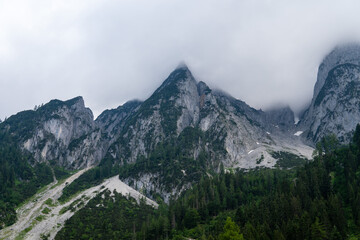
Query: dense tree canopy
320, 200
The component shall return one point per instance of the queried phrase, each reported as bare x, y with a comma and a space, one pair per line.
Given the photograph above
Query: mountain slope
335, 105
44, 215
59, 131
186, 130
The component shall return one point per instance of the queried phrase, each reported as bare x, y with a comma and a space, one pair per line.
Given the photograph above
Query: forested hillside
18, 179
320, 200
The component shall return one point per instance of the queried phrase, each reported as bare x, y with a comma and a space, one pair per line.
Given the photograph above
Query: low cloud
263, 52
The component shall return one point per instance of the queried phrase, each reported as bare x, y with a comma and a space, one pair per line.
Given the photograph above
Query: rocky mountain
335, 104
183, 131
182, 103
186, 130
209, 123
63, 132
161, 146
112, 121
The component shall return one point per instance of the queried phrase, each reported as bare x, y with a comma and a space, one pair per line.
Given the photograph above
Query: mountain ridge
208, 124
184, 131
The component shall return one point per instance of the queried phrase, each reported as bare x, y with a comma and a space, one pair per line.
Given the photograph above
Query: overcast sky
260, 51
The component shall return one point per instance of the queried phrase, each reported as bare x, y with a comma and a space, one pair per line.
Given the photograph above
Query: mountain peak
76, 100
177, 77
182, 65
341, 54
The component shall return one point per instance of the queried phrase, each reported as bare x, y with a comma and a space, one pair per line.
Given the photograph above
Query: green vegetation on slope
23, 124
18, 179
89, 179
107, 217
287, 159
320, 200
171, 162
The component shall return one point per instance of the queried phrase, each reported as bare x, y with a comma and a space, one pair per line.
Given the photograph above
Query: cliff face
185, 123
180, 103
335, 105
59, 131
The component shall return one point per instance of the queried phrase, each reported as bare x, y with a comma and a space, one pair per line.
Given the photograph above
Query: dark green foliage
60, 173
258, 161
76, 142
191, 218
90, 178
317, 201
21, 128
18, 179
109, 217
231, 231
23, 125
172, 162
287, 159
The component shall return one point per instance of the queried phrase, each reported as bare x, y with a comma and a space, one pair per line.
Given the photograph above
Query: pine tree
231, 231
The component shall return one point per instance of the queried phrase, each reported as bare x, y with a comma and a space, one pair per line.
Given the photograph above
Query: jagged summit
76, 100
180, 76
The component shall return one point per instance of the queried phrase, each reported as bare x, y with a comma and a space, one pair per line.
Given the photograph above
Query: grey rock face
181, 102
63, 132
335, 105
113, 121
349, 53
232, 133
173, 107
281, 118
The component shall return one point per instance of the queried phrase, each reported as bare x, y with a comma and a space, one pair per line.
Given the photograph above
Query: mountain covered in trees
319, 200
240, 158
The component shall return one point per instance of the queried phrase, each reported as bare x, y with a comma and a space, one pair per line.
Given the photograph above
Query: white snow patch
298, 133
250, 151
268, 133
183, 171
257, 143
